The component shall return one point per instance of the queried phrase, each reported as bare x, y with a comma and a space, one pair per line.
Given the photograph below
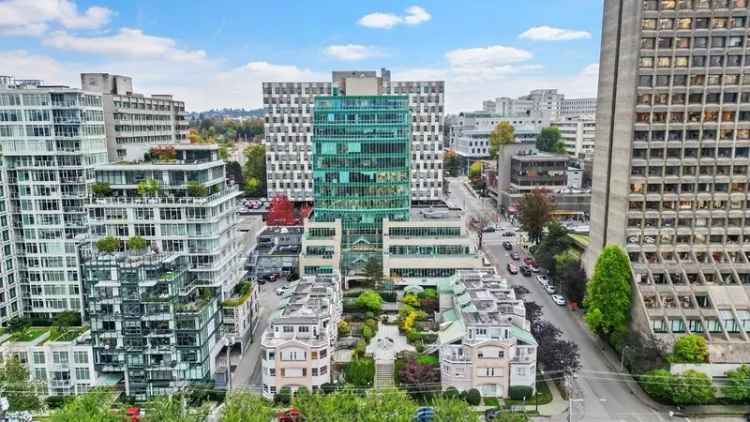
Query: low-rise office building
59, 360
484, 336
321, 248
277, 251
154, 326
297, 347
578, 134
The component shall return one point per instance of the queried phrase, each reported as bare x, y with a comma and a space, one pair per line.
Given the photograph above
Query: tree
169, 409
554, 242
692, 387
94, 406
283, 396
367, 333
353, 405
101, 189
137, 243
148, 187
533, 312
608, 293
534, 211
501, 136
16, 387
196, 189
641, 352
549, 140
242, 406
473, 397
370, 300
451, 410
737, 386
108, 244
571, 276
234, 172
451, 163
374, 271
344, 328
475, 170
281, 212
690, 348
657, 384
255, 168
360, 372
419, 379
66, 319
553, 353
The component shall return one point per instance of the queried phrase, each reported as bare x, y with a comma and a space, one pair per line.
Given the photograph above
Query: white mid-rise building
547, 102
288, 131
51, 137
578, 106
297, 346
484, 336
578, 134
133, 121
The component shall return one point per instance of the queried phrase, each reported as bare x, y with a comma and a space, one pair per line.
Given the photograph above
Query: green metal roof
464, 299
276, 314
469, 307
449, 316
522, 335
452, 333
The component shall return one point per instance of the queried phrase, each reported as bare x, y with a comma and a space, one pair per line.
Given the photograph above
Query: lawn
28, 334
543, 395
491, 401
68, 334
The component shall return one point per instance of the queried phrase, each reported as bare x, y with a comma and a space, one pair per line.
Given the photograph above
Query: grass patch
28, 334
543, 395
491, 401
67, 334
427, 360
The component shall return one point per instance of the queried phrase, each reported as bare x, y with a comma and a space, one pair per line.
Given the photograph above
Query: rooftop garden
241, 294
66, 326
28, 334
65, 333
168, 276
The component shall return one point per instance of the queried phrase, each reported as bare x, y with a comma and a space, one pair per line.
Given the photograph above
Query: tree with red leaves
419, 379
281, 212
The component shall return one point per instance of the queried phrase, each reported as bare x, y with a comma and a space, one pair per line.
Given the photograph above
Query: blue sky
216, 53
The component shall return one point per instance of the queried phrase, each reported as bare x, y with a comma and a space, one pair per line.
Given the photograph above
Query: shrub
411, 299
108, 244
101, 189
451, 393
137, 243
328, 388
301, 391
692, 387
690, 348
413, 337
372, 323
148, 187
350, 306
388, 296
427, 360
473, 397
56, 402
196, 189
283, 396
360, 372
520, 392
367, 333
369, 315
428, 294
370, 300
359, 349
429, 338
344, 328
658, 385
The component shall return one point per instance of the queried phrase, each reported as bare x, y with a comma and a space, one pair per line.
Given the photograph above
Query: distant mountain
230, 113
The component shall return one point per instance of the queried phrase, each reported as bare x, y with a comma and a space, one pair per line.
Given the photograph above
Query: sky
214, 54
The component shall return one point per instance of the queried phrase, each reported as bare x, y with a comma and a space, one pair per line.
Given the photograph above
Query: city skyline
219, 60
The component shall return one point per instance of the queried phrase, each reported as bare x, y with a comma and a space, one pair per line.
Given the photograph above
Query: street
606, 397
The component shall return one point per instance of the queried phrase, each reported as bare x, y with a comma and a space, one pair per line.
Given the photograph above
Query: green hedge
519, 392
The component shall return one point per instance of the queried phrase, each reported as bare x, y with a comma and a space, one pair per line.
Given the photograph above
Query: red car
512, 268
529, 261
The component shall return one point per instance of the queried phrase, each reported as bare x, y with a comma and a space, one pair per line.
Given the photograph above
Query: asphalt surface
599, 395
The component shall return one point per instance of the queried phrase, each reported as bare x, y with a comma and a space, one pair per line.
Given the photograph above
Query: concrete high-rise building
289, 130
134, 122
51, 139
670, 179
361, 164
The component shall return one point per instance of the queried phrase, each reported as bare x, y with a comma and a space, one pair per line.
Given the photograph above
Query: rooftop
433, 214
541, 156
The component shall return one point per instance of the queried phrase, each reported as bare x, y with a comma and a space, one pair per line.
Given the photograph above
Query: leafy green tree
137, 243
374, 271
737, 386
367, 333
571, 276
283, 396
451, 410
692, 387
451, 163
608, 294
101, 189
170, 409
148, 187
554, 242
255, 169
94, 406
370, 300
690, 348
657, 384
549, 140
501, 136
473, 397
475, 170
108, 244
66, 319
534, 211
360, 372
344, 328
15, 385
351, 405
234, 172
196, 189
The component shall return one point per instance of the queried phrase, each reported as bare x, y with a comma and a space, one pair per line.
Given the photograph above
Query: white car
559, 299
550, 288
281, 290
542, 279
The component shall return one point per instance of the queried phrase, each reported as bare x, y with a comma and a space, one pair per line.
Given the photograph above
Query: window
82, 373
38, 358
60, 357
80, 357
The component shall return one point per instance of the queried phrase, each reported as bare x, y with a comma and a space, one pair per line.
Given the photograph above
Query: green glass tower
361, 168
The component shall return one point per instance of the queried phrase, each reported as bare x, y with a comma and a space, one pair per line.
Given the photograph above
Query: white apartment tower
578, 134
135, 122
51, 139
288, 132
671, 164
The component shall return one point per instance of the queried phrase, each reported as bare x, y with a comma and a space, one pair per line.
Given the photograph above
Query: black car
488, 229
525, 270
508, 234
508, 246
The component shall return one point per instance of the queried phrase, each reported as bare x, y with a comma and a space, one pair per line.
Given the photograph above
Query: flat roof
434, 214
542, 157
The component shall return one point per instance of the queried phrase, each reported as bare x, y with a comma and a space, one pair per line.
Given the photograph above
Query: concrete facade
578, 134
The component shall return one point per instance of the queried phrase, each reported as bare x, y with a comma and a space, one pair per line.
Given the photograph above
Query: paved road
603, 399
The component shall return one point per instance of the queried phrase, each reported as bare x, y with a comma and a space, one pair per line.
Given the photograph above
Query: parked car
542, 279
529, 261
526, 271
515, 256
508, 234
512, 268
270, 277
534, 268
550, 288
489, 229
508, 246
559, 299
281, 290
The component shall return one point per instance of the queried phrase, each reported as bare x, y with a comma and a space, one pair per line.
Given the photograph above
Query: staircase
383, 375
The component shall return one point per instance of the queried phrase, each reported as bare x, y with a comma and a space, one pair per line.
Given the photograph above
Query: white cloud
128, 42
483, 56
591, 70
34, 17
25, 65
414, 16
352, 52
549, 33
